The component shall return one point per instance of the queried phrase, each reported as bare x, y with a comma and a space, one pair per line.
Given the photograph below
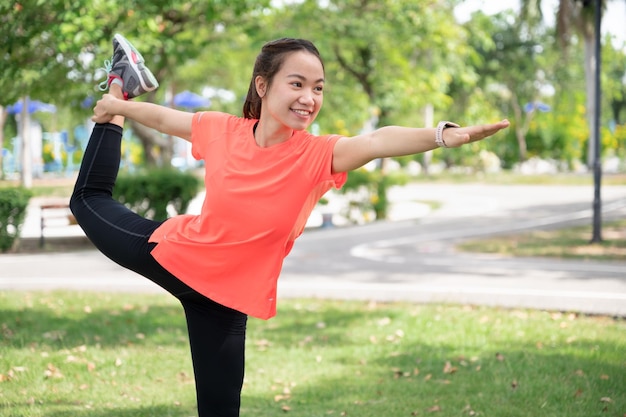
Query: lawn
85, 354
567, 242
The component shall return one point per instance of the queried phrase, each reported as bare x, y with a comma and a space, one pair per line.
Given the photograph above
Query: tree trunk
3, 117
429, 121
158, 150
520, 134
590, 68
26, 173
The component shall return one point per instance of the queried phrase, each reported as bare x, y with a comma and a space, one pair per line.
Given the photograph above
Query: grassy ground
571, 242
73, 354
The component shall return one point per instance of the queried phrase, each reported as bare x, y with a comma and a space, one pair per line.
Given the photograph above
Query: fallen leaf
499, 357
384, 321
52, 372
449, 369
434, 409
605, 400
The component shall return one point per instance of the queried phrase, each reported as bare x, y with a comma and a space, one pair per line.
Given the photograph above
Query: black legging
216, 333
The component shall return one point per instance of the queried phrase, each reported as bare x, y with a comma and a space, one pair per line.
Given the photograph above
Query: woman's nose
307, 98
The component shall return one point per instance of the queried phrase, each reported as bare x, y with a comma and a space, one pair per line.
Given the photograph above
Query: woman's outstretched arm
353, 152
164, 119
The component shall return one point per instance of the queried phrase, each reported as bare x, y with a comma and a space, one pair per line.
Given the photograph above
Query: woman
264, 174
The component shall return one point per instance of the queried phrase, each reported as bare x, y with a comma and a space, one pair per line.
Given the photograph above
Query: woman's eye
296, 84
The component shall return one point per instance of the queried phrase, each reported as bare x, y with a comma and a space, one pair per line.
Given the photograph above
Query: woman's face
296, 94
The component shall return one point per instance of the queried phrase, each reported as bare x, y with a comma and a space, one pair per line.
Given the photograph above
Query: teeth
302, 112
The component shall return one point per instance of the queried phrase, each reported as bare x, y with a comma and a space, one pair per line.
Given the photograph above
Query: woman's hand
103, 112
457, 136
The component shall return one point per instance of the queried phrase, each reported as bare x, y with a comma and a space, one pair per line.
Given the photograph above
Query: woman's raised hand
457, 136
103, 111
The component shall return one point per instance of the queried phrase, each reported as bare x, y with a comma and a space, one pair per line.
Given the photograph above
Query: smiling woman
264, 174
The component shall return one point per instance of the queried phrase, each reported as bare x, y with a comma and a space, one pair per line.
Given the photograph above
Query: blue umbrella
33, 107
191, 100
536, 105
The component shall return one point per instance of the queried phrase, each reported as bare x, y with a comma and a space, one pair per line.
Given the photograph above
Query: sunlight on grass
82, 354
572, 242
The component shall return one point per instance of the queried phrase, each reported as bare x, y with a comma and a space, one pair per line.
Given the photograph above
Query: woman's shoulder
320, 140
216, 118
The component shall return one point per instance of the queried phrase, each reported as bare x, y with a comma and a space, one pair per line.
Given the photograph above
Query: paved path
409, 259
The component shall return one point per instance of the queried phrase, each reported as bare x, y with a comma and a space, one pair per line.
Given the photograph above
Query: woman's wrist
439, 132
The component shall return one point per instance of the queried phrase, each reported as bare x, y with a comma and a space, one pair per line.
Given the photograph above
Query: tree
519, 86
576, 16
395, 56
47, 44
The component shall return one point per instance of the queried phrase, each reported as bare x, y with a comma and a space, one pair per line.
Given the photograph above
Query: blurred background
401, 62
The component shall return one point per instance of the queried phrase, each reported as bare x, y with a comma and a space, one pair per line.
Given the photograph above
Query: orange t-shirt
257, 203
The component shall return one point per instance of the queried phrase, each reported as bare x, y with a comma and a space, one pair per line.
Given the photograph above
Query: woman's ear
261, 86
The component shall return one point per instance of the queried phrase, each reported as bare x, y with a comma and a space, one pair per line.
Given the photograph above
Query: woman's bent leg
217, 336
115, 230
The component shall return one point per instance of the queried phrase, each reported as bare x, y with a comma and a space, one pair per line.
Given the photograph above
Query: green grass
569, 242
73, 354
512, 178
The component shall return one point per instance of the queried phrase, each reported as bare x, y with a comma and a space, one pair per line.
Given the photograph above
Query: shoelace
108, 65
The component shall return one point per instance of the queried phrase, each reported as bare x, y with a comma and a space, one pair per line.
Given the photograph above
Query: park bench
54, 213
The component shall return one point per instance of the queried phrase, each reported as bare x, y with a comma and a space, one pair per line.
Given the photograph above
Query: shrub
152, 192
13, 205
375, 184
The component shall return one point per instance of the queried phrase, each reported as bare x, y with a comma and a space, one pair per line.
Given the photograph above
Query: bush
151, 192
376, 184
13, 205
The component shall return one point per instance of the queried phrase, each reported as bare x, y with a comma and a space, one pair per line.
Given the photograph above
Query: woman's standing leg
217, 337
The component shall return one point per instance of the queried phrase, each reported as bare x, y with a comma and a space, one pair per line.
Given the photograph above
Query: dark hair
268, 63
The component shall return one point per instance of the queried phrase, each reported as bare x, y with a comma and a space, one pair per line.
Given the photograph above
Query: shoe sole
129, 50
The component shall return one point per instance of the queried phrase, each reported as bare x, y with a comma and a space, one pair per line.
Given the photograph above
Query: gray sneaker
128, 65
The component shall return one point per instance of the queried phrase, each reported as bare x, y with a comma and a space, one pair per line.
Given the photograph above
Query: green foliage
152, 192
369, 190
13, 205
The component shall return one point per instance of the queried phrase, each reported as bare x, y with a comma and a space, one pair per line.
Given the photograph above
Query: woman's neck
266, 136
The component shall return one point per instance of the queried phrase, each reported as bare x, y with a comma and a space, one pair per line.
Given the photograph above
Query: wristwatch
439, 132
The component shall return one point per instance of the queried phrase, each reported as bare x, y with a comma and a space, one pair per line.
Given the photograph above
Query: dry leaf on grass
52, 372
449, 369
